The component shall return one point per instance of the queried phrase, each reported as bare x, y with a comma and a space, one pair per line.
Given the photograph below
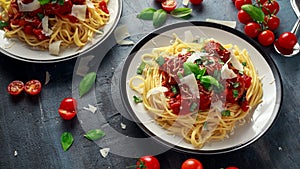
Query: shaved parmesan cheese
104, 152
188, 37
231, 24
90, 108
47, 79
156, 90
121, 33
195, 56
90, 4
54, 47
123, 126
191, 82
45, 26
15, 153
126, 42
35, 4
236, 63
227, 73
79, 11
185, 2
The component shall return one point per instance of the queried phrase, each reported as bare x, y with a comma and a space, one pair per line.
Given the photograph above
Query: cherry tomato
68, 108
270, 7
191, 164
283, 50
169, 5
196, 2
244, 17
252, 29
103, 7
266, 38
287, 40
231, 167
239, 3
33, 87
272, 22
15, 87
149, 162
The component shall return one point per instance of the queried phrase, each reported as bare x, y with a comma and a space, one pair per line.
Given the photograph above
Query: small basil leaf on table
87, 83
66, 140
181, 12
146, 14
159, 17
94, 134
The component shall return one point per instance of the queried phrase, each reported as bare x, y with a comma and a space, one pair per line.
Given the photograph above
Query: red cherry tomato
252, 29
191, 164
239, 3
287, 40
103, 6
231, 167
270, 7
68, 108
33, 87
15, 87
149, 162
244, 17
272, 22
266, 38
196, 2
169, 5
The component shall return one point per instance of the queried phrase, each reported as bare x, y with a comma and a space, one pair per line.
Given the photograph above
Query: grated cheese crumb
104, 152
123, 126
185, 2
90, 108
279, 148
15, 153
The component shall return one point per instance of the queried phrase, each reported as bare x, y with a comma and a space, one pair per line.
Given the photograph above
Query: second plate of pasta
201, 87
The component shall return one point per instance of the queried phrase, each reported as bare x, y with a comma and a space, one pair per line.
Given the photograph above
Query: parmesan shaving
121, 33
79, 11
45, 26
123, 126
188, 37
47, 79
227, 73
90, 108
156, 90
185, 2
104, 152
54, 47
35, 4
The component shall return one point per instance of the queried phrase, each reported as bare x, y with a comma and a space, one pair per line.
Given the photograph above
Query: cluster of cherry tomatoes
150, 162
264, 31
32, 87
170, 5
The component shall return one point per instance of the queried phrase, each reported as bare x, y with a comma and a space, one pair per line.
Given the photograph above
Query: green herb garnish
225, 113
137, 99
94, 134
160, 60
141, 68
87, 83
66, 140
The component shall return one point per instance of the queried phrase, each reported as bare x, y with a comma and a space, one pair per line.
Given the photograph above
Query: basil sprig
146, 14
255, 12
181, 12
94, 134
159, 17
87, 83
66, 140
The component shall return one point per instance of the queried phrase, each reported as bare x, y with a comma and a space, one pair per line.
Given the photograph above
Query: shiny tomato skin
244, 17
272, 22
103, 6
252, 29
287, 40
68, 108
33, 87
239, 3
261, 2
15, 87
169, 5
270, 7
191, 164
196, 2
149, 162
266, 37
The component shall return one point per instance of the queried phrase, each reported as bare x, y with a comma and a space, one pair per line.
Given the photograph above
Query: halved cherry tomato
191, 164
33, 87
196, 2
15, 87
149, 162
68, 108
169, 5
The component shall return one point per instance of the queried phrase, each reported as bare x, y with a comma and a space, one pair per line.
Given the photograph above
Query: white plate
21, 51
263, 116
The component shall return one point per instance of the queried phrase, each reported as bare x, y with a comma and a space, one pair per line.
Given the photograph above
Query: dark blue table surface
30, 127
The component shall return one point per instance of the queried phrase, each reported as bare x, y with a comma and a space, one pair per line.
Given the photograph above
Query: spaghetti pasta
199, 91
70, 22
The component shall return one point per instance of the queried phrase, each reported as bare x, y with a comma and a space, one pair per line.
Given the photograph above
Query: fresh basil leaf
66, 140
255, 12
137, 99
209, 79
181, 12
159, 17
87, 83
225, 113
43, 2
3, 24
95, 134
146, 14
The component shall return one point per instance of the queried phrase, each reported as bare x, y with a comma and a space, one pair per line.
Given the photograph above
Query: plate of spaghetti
201, 87
55, 30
